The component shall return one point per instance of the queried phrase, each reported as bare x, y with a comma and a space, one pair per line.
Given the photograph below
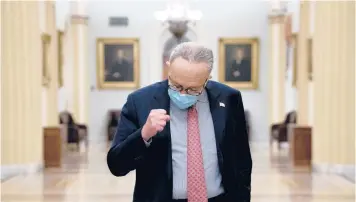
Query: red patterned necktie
196, 176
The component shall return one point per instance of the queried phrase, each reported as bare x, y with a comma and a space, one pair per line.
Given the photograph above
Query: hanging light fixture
278, 7
177, 16
178, 10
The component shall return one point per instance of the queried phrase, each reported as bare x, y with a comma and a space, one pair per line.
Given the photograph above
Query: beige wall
23, 104
334, 86
21, 131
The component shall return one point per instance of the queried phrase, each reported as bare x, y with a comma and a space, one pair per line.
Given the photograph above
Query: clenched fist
155, 123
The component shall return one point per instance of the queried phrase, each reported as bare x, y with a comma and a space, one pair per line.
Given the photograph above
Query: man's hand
236, 73
155, 123
116, 75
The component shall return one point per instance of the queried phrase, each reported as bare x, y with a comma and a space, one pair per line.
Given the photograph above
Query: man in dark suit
185, 137
239, 69
120, 70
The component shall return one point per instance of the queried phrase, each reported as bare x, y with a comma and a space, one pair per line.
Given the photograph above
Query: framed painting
238, 62
46, 41
60, 36
118, 63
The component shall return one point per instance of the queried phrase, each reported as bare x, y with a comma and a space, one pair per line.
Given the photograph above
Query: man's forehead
187, 80
183, 62
183, 66
183, 72
180, 62
191, 85
188, 73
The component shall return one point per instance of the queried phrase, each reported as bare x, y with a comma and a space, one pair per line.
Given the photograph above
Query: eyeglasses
189, 91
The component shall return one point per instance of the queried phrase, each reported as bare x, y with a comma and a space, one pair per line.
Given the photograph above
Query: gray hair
193, 53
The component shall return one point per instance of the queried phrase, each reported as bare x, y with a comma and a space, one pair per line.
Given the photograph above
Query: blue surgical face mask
182, 101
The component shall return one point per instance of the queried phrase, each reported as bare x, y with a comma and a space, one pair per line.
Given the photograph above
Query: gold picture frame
239, 62
118, 63
295, 59
46, 41
60, 35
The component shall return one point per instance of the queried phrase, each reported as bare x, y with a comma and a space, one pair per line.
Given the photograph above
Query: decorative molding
60, 38
12, 170
79, 19
295, 58
46, 38
46, 77
347, 171
276, 18
288, 29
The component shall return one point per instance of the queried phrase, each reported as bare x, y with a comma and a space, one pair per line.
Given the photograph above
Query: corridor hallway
84, 177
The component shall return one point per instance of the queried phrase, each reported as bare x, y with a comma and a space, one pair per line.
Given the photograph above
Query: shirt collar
203, 97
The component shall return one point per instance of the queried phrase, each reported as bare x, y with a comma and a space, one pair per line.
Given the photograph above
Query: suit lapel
218, 111
161, 101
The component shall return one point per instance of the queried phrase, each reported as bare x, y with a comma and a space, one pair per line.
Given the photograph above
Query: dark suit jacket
153, 165
124, 68
244, 68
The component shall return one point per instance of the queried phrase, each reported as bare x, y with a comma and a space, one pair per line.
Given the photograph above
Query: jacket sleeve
243, 165
128, 147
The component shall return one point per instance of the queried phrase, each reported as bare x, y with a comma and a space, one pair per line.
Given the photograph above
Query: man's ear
168, 63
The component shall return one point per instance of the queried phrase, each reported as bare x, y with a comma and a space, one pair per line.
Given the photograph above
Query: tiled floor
85, 178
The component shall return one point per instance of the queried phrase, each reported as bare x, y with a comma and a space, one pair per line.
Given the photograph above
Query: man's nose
182, 92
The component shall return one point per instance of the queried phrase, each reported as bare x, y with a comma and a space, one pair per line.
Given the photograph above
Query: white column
311, 83
277, 46
47, 22
302, 67
78, 98
42, 27
52, 89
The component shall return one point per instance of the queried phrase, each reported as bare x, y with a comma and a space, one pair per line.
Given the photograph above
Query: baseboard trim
347, 171
8, 171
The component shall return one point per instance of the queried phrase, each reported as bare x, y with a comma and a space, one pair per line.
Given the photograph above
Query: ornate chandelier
178, 11
278, 7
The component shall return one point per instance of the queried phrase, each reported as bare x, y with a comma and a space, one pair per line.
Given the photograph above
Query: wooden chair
248, 124
279, 131
83, 134
72, 132
113, 121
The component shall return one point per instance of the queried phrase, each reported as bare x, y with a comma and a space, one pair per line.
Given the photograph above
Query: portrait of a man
117, 66
239, 66
238, 62
118, 62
